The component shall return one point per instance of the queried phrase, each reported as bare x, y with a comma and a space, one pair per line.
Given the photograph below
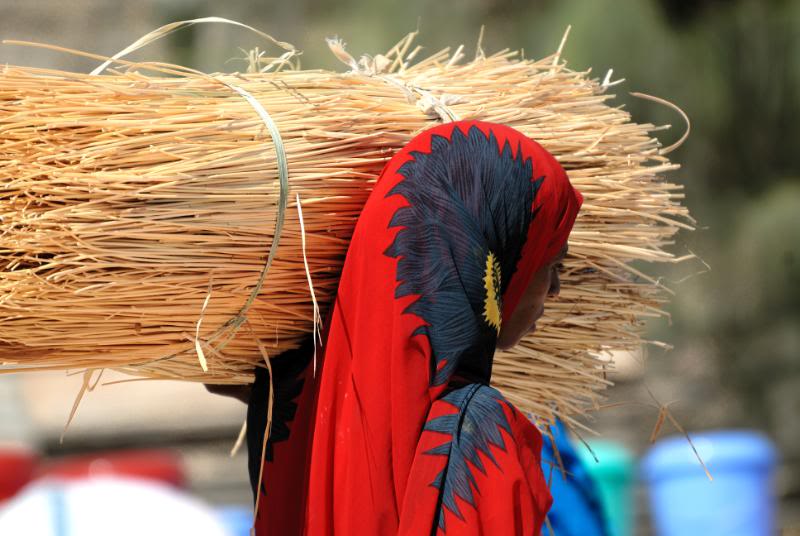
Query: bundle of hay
138, 209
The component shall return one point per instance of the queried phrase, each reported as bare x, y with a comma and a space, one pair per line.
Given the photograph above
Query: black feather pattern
473, 429
467, 197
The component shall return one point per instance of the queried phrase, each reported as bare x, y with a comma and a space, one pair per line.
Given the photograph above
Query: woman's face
544, 283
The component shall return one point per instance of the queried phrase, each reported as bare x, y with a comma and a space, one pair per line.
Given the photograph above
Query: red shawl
400, 432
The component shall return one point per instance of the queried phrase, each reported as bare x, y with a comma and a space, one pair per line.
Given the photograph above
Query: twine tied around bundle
230, 327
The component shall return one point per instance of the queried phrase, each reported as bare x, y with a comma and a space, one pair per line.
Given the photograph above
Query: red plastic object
161, 465
17, 467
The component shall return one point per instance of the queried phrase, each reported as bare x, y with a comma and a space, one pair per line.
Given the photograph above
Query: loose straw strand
317, 318
201, 356
267, 428
239, 439
678, 109
167, 29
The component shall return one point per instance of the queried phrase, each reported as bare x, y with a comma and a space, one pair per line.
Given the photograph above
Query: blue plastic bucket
738, 502
237, 519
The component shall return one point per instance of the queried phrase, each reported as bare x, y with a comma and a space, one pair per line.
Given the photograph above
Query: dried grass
125, 197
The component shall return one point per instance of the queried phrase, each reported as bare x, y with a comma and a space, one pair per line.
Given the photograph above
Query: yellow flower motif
491, 309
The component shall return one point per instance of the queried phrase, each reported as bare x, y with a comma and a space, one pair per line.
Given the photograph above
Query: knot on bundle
379, 66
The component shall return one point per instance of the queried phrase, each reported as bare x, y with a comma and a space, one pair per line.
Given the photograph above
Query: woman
399, 432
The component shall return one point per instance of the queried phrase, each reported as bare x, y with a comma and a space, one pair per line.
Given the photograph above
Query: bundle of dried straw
137, 210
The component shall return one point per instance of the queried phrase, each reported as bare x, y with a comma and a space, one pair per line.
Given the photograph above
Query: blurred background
732, 65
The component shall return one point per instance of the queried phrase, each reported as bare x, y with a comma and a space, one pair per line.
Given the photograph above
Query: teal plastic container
614, 473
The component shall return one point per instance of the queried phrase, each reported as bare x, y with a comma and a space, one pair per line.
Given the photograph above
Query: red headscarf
404, 434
